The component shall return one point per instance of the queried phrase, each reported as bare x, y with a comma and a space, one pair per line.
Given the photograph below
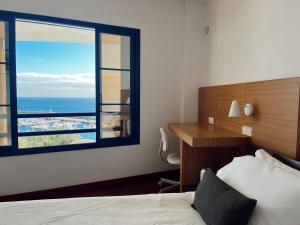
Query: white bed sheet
154, 209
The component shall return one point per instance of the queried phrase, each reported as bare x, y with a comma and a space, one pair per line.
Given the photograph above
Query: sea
57, 105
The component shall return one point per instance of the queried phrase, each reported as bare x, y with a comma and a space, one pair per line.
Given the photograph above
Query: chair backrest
163, 147
128, 121
128, 127
164, 139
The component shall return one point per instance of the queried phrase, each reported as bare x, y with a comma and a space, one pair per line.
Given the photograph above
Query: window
55, 75
5, 127
66, 84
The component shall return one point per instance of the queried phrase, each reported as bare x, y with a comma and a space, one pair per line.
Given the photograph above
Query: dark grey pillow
220, 204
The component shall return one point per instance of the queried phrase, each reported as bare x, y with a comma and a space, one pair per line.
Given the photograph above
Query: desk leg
192, 160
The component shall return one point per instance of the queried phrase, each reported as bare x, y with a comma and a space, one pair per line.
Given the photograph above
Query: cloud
56, 85
81, 78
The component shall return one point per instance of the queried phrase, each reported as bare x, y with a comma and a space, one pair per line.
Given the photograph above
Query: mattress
150, 209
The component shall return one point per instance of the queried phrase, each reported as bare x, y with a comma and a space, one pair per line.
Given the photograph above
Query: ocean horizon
56, 105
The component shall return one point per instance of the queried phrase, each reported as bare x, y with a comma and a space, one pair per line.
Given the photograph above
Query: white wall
162, 43
252, 40
194, 61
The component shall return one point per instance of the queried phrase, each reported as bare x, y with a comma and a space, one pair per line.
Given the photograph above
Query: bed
140, 209
275, 185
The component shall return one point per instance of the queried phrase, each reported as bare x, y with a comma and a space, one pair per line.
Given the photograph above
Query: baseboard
122, 186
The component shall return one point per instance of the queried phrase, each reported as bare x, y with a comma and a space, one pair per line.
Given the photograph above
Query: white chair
172, 158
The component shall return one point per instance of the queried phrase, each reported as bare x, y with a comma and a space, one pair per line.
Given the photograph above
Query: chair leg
167, 189
174, 185
163, 180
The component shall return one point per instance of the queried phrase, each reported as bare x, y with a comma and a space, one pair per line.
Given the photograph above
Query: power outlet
211, 120
247, 131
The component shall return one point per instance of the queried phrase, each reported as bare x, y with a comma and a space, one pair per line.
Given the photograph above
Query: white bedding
155, 209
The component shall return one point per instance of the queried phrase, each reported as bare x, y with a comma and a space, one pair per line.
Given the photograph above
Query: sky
55, 69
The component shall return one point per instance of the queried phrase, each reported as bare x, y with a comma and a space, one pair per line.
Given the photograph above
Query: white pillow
263, 155
276, 190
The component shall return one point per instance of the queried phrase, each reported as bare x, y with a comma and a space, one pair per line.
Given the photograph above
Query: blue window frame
126, 109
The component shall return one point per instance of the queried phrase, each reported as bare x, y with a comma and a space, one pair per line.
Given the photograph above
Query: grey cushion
220, 204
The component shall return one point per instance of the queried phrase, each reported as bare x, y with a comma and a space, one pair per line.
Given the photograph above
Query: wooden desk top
205, 135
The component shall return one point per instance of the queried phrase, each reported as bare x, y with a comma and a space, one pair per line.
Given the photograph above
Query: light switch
247, 131
211, 120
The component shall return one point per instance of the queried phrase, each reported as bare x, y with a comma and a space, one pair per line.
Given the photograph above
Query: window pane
55, 68
115, 87
5, 133
115, 121
56, 140
5, 121
56, 123
3, 42
115, 51
4, 86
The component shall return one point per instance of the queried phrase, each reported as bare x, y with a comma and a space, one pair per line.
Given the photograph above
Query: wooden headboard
276, 118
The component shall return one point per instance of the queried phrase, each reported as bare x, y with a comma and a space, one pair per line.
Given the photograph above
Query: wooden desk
203, 145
